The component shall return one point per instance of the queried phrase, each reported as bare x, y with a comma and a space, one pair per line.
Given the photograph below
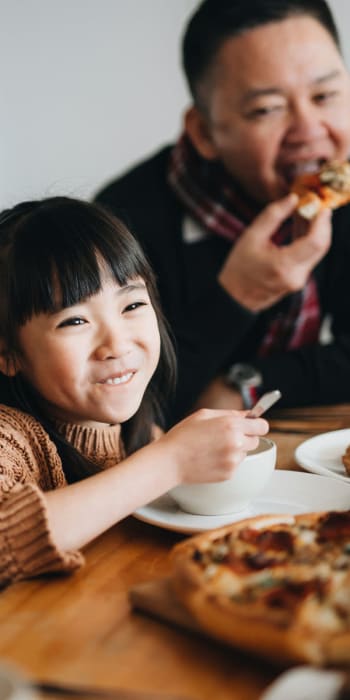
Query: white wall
341, 12
87, 87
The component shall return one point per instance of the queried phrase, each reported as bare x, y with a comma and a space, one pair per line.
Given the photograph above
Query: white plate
322, 454
305, 683
286, 492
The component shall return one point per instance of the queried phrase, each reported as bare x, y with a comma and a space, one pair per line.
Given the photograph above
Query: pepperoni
238, 564
291, 593
334, 525
264, 540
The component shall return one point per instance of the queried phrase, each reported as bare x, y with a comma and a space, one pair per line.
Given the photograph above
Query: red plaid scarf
207, 193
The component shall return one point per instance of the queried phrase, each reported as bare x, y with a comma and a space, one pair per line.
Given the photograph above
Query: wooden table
80, 628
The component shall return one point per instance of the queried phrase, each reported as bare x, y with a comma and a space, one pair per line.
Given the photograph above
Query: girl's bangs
62, 261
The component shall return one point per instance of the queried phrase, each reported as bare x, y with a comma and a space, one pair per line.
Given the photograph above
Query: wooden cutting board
157, 598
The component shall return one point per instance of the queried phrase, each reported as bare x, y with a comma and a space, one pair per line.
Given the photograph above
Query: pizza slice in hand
328, 188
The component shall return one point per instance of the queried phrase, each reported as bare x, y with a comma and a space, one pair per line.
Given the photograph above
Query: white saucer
305, 683
322, 454
286, 492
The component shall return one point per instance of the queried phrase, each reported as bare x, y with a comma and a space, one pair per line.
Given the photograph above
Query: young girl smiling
84, 359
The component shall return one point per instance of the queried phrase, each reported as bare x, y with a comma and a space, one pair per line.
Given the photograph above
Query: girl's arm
41, 529
206, 446
80, 512
27, 547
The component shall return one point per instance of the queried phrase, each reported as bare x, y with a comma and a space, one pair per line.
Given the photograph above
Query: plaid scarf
208, 194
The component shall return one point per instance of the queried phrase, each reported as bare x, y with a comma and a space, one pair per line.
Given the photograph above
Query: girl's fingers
256, 426
250, 426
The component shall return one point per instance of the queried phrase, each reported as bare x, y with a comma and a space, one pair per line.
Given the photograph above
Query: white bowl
230, 496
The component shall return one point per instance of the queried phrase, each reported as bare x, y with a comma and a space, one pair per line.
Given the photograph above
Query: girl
83, 354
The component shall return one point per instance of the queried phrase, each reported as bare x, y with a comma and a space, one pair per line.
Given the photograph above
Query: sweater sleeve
26, 545
29, 465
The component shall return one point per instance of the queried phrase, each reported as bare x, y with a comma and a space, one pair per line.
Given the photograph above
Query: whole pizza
276, 585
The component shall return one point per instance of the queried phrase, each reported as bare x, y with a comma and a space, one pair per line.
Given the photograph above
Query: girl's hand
209, 444
206, 446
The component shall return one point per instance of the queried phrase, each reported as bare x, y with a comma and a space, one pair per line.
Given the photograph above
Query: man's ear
197, 129
8, 364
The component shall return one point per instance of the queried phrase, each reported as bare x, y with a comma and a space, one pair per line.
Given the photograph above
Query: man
244, 282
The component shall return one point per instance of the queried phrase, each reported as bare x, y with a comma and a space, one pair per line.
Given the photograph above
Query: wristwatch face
241, 374
247, 380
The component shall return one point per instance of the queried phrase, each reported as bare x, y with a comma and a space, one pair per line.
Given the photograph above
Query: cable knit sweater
30, 465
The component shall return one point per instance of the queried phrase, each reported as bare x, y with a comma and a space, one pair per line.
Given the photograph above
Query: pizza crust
300, 638
248, 632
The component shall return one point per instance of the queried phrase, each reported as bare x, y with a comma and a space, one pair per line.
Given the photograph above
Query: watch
248, 380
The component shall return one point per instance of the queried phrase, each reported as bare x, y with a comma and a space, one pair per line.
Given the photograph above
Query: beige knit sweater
30, 465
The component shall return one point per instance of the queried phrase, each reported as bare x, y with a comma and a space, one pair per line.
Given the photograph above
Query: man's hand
257, 273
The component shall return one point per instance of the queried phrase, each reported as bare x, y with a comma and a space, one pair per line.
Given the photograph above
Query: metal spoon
265, 402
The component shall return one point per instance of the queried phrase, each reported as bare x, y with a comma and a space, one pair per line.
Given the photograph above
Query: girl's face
91, 362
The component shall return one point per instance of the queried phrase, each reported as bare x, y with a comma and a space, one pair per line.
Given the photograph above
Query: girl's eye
74, 321
135, 305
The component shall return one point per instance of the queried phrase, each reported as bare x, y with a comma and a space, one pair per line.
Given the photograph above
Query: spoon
265, 402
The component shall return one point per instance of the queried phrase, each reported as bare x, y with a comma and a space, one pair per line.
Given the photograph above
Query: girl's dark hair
215, 21
62, 242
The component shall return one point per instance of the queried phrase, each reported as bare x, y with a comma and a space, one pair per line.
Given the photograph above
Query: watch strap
250, 395
248, 380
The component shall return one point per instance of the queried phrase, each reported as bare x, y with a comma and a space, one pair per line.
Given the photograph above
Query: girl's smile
121, 379
91, 362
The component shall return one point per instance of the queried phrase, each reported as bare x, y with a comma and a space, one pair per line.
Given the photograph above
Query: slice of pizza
276, 585
328, 188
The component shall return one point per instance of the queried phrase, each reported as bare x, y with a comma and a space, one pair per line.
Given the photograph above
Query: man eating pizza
246, 285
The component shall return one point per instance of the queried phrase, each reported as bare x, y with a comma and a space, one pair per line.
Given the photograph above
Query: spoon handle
265, 402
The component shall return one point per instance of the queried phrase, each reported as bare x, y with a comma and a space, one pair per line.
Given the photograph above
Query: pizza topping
334, 525
291, 593
260, 560
279, 540
310, 208
322, 617
306, 536
342, 560
219, 551
337, 176
210, 571
341, 602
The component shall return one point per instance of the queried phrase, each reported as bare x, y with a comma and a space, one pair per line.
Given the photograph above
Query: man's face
277, 104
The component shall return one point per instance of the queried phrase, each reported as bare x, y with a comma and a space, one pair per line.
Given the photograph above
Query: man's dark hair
215, 21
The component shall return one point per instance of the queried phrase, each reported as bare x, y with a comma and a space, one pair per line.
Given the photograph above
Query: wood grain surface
81, 628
